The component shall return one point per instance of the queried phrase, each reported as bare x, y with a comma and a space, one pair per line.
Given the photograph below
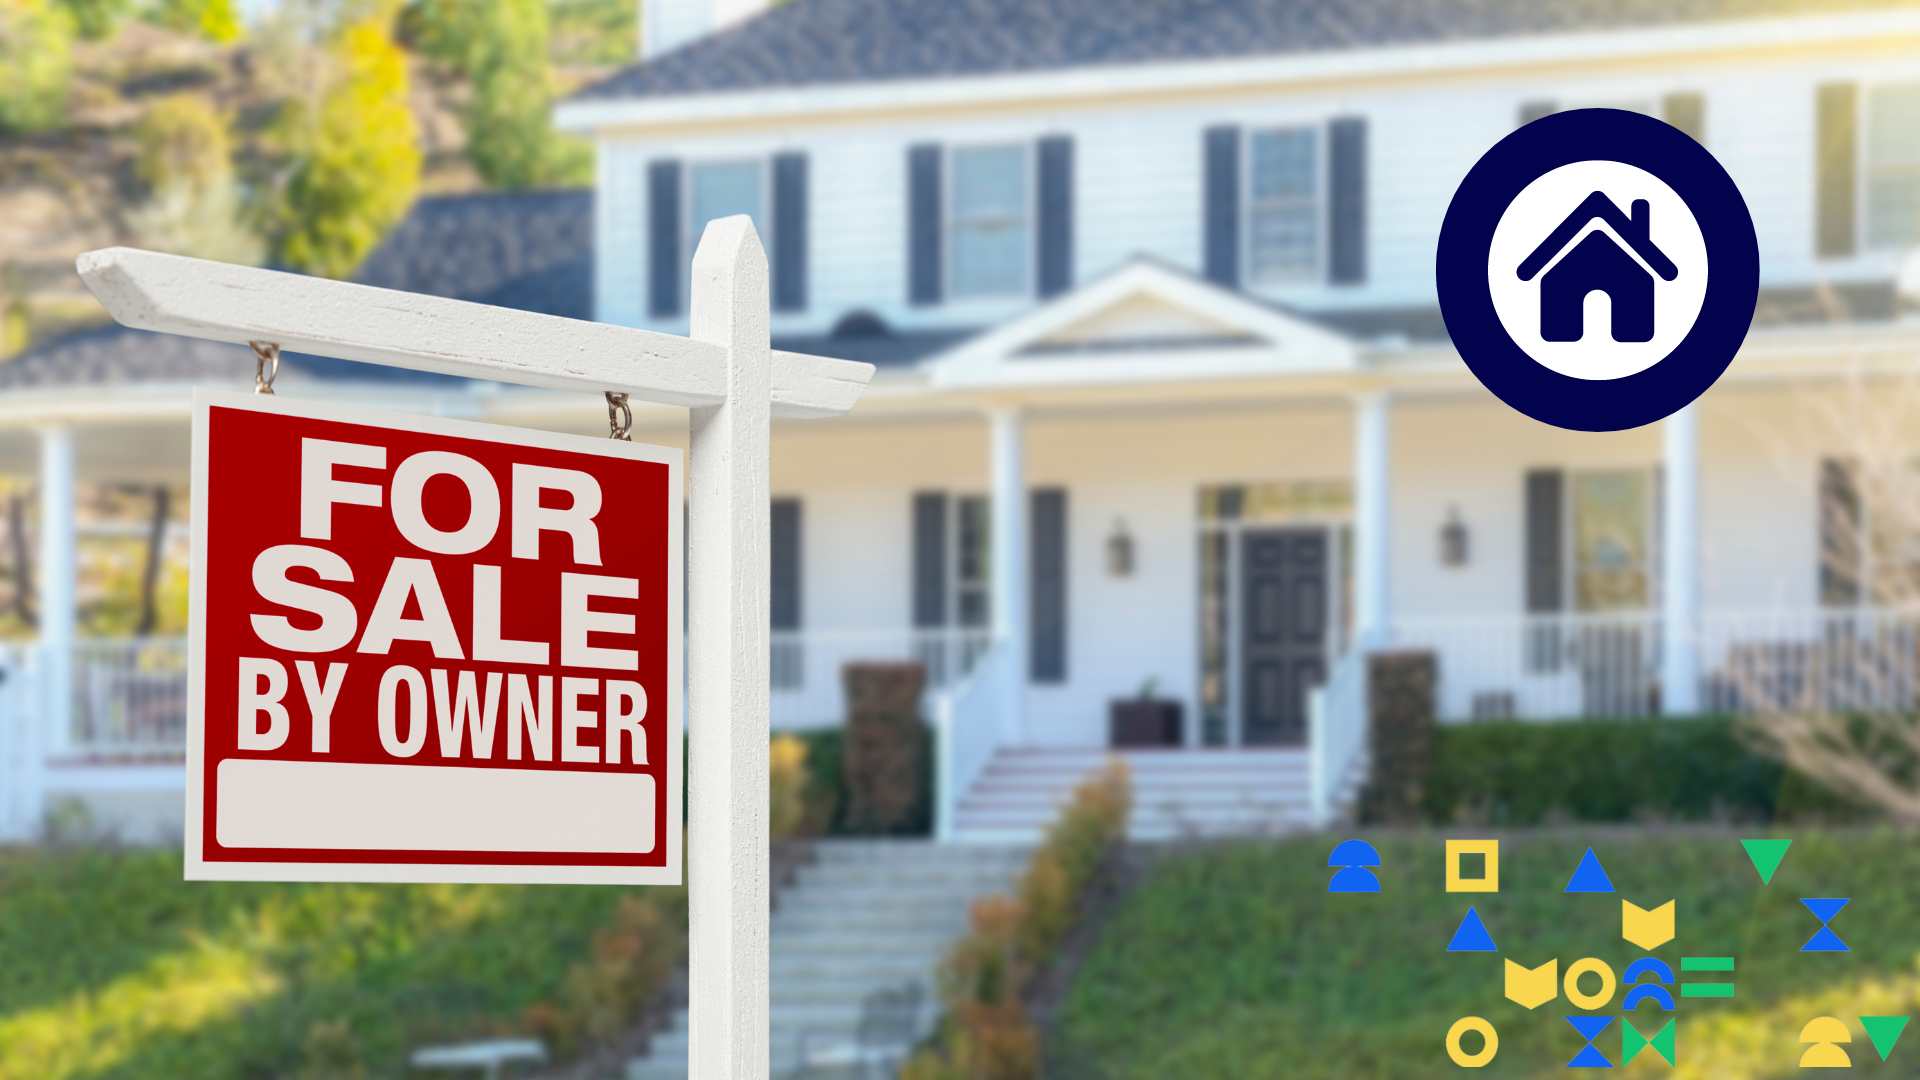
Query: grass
1235, 961
112, 966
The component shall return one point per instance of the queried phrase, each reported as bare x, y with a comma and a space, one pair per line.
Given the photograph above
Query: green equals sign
1719, 964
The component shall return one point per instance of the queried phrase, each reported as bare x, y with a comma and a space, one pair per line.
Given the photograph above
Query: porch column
1680, 542
1372, 519
56, 584
1008, 561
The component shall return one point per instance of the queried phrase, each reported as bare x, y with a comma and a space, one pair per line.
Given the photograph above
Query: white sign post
733, 383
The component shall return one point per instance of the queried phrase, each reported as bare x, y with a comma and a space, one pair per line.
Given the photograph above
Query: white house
1164, 401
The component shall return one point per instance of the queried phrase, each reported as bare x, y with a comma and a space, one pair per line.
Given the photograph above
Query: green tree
97, 19
193, 204
36, 65
502, 48
355, 156
215, 20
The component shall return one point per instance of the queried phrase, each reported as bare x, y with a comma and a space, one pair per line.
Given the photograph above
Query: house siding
1138, 179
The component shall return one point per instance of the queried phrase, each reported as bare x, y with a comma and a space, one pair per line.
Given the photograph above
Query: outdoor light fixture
1453, 539
1120, 550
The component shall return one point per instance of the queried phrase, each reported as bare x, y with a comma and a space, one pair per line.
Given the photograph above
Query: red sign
425, 650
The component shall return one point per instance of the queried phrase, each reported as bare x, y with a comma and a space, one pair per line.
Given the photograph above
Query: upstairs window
1892, 182
989, 221
717, 189
1284, 193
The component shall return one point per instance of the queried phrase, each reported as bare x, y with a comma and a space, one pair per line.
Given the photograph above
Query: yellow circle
1489, 1040
1589, 966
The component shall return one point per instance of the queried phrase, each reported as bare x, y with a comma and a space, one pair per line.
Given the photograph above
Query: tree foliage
36, 65
355, 156
502, 49
215, 20
97, 19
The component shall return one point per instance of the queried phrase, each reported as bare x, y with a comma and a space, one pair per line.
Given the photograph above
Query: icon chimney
1641, 217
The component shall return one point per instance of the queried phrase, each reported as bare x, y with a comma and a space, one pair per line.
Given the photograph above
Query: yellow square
1488, 880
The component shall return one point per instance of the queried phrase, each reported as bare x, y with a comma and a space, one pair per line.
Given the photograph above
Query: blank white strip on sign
330, 804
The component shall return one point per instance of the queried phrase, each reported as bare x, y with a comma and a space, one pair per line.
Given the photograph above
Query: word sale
475, 715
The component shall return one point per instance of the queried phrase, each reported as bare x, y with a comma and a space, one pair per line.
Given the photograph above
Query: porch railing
966, 731
1337, 725
1547, 667
805, 668
129, 699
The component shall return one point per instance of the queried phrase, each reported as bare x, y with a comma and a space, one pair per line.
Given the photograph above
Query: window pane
718, 189
1283, 238
988, 212
1893, 166
1611, 528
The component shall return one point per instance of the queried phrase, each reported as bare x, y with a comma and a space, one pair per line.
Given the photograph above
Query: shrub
36, 65
986, 1034
630, 962
886, 751
1520, 773
788, 776
826, 793
1400, 693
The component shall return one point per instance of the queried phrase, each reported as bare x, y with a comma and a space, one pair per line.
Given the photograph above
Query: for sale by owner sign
430, 651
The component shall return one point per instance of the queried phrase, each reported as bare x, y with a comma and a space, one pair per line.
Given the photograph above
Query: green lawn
111, 966
1234, 961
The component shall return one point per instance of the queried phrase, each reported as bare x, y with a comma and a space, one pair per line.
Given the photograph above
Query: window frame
1654, 566
1322, 180
1864, 240
763, 165
1030, 179
957, 584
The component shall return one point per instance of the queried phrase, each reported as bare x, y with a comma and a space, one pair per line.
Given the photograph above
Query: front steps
865, 915
1176, 793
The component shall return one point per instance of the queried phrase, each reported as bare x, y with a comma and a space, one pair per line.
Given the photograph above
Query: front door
1284, 612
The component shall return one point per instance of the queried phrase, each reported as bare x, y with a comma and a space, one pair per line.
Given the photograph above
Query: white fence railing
808, 689
1337, 726
1550, 667
129, 699
966, 731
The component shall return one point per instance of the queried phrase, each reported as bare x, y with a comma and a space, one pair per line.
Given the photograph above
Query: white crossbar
224, 302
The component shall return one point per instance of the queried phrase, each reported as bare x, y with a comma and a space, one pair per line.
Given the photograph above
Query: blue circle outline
1466, 303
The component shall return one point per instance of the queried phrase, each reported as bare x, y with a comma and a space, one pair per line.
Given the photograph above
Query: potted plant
1144, 720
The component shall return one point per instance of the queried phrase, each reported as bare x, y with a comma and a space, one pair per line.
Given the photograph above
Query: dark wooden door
1283, 631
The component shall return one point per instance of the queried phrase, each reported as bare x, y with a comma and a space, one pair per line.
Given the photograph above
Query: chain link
266, 365
619, 417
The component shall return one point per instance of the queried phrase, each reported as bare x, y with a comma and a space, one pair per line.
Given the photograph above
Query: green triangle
1765, 856
1632, 1042
1884, 1031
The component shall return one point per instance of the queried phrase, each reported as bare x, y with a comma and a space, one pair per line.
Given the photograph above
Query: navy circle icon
1597, 269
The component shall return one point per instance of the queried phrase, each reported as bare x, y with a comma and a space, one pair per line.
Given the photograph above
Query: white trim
1342, 67
198, 868
1287, 344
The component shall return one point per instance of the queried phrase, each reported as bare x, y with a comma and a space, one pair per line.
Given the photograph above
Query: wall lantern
1120, 550
1453, 539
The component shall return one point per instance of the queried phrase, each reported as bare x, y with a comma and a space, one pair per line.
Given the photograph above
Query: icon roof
1354, 853
1631, 230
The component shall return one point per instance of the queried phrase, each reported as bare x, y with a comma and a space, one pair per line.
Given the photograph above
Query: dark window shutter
1837, 147
790, 232
1841, 543
1347, 201
665, 269
923, 224
1048, 631
1534, 110
1054, 237
1221, 238
1545, 572
784, 601
1688, 112
929, 559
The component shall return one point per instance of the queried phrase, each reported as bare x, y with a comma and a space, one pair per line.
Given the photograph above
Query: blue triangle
1590, 1028
1472, 935
1824, 939
1589, 876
